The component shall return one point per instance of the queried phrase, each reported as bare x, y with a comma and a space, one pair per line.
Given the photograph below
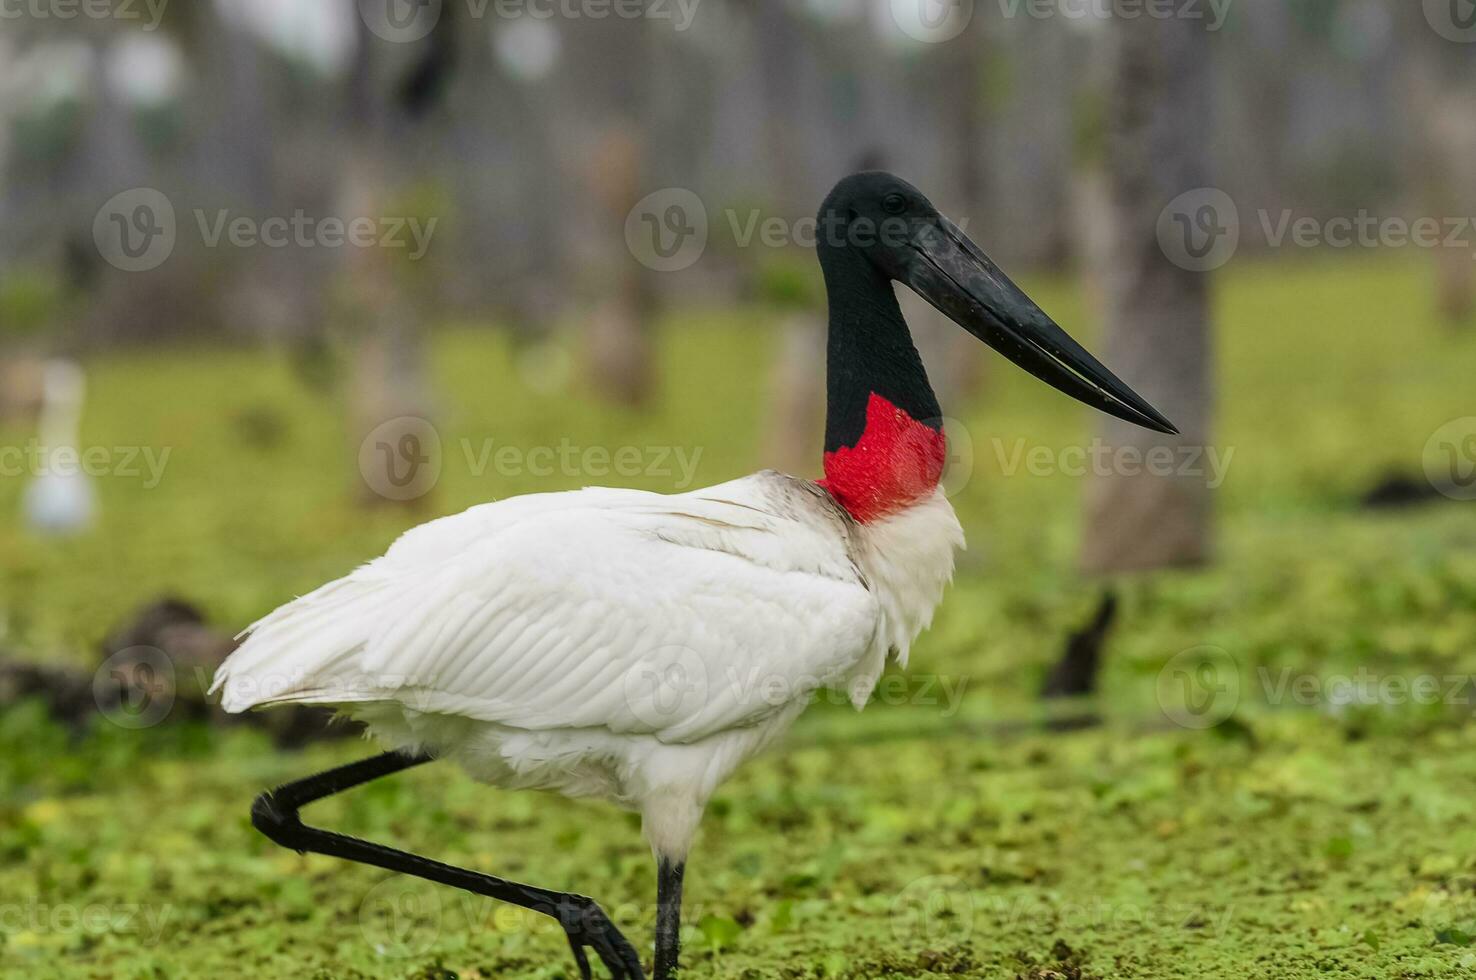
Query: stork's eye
894, 203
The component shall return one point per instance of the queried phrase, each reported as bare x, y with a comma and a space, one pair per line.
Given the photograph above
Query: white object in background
60, 499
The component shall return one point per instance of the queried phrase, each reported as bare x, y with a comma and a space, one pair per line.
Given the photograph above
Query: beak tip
1163, 425
1151, 418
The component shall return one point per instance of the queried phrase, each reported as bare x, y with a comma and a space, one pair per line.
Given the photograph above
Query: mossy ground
949, 831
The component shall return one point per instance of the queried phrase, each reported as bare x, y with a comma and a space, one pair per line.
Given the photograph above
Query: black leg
668, 916
275, 814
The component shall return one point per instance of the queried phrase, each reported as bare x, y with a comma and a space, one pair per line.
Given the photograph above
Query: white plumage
612, 643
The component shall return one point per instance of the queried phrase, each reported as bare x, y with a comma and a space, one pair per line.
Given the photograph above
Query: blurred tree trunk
971, 104
954, 360
1441, 153
388, 389
795, 427
232, 163
532, 291
19, 380
1156, 329
619, 348
231, 117
110, 157
1092, 230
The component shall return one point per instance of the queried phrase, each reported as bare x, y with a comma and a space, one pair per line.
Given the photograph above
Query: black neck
869, 349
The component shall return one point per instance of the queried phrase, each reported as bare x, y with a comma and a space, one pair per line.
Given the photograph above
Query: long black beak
954, 275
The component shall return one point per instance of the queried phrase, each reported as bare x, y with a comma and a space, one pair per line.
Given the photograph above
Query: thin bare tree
389, 394
1435, 82
794, 429
952, 357
1157, 318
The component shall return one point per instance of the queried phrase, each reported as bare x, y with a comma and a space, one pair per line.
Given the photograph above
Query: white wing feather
678, 616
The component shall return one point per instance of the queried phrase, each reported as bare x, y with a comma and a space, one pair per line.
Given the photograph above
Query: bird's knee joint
275, 821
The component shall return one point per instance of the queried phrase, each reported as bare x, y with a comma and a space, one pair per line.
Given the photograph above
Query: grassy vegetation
949, 832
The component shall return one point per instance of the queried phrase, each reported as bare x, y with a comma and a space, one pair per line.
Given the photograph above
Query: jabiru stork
637, 647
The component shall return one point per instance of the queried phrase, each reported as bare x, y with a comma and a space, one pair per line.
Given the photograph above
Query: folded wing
677, 616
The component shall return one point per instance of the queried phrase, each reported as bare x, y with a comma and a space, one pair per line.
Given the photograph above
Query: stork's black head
877, 224
875, 215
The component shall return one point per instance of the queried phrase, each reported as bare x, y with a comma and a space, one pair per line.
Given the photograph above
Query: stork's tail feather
309, 650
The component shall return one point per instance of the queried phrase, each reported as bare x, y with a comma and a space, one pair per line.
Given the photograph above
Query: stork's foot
586, 924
